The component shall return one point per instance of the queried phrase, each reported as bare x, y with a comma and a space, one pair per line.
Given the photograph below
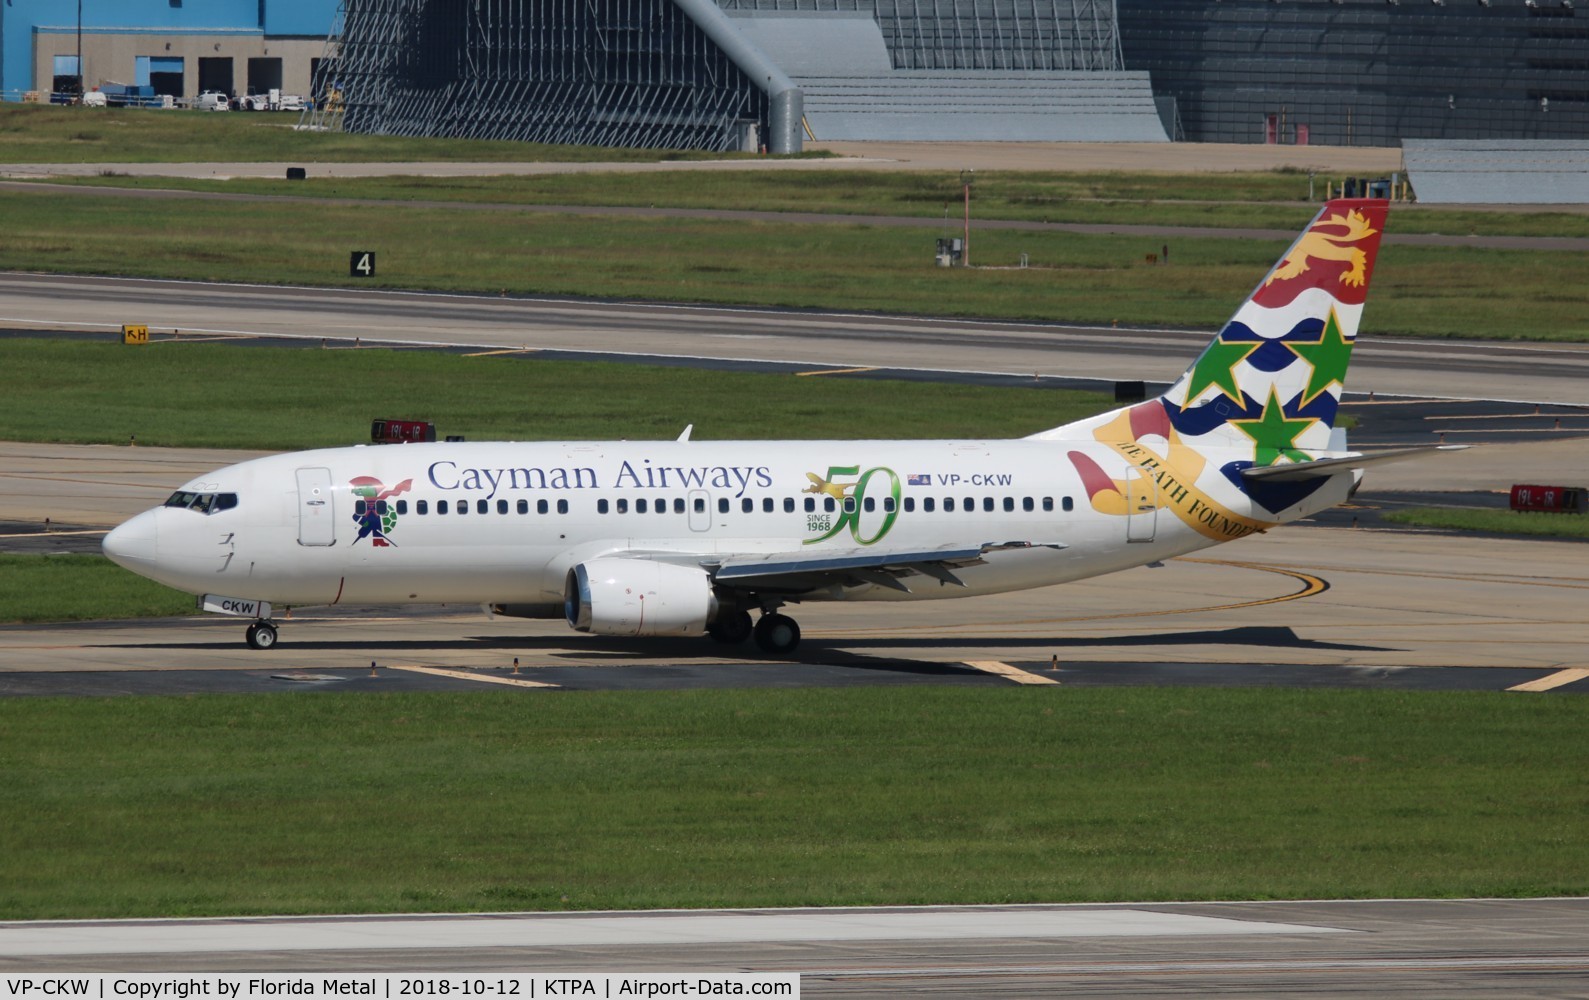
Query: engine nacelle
638, 597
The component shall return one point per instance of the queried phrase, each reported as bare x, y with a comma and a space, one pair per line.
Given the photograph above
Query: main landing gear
731, 629
774, 633
777, 633
261, 635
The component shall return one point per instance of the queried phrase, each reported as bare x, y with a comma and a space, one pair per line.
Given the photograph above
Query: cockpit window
204, 503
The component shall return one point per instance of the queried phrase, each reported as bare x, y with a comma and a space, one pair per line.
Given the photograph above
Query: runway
1406, 948
1531, 373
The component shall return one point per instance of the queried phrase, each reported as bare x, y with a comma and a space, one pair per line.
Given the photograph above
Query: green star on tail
1328, 357
1273, 434
1217, 366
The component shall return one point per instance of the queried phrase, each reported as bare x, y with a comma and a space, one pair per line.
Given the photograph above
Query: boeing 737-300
683, 538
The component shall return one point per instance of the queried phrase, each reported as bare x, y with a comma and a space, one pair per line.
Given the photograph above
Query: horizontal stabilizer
1332, 466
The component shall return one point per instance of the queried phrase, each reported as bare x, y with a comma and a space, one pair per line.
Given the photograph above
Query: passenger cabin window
811, 505
601, 506
623, 505
788, 505
767, 505
1069, 504
926, 504
502, 506
422, 506
700, 505
1009, 503
540, 507
441, 506
722, 505
523, 506
949, 504
869, 504
562, 506
828, 504
987, 503
402, 506
678, 505
463, 507
910, 504
747, 505
1026, 504
1048, 503
640, 506
482, 506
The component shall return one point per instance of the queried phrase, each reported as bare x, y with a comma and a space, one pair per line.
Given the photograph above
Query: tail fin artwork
1263, 395
1274, 375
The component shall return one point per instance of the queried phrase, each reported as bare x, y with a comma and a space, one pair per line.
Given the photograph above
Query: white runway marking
540, 930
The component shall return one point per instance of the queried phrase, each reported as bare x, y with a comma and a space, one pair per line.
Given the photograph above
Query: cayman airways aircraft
688, 537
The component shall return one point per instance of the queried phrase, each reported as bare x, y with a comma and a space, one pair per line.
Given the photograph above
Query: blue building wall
20, 18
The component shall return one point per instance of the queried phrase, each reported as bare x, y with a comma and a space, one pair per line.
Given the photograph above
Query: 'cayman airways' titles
447, 475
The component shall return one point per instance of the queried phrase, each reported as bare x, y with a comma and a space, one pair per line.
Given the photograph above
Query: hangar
173, 49
739, 74
1365, 72
751, 74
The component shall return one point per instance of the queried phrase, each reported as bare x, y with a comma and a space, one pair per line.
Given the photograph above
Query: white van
212, 100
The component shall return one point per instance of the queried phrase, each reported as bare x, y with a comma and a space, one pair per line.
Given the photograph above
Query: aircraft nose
135, 543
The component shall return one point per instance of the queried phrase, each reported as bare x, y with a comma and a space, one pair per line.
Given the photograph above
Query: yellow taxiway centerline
838, 371
465, 675
1555, 680
1015, 674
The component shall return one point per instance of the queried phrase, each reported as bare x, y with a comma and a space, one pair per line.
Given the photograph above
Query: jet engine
638, 597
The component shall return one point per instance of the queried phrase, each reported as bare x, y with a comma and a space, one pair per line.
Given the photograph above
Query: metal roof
1498, 171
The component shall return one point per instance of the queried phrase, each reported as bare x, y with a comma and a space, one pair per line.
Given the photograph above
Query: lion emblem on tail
1315, 244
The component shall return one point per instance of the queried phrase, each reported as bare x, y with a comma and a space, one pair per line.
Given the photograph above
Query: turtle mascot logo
375, 517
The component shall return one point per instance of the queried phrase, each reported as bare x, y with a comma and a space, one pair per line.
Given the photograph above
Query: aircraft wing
1331, 466
805, 570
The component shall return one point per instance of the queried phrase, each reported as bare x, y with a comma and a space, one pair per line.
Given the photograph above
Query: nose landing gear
261, 635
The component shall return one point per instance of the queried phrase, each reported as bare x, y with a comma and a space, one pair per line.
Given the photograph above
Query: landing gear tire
777, 634
732, 629
261, 635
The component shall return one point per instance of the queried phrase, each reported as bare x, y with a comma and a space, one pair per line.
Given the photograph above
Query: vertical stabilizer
1263, 393
1274, 375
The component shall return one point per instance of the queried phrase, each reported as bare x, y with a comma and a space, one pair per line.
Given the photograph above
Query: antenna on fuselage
686, 435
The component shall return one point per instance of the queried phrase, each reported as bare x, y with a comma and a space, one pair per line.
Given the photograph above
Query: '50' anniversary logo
851, 502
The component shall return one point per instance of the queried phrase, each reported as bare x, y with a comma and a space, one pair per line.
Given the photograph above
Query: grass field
1089, 279
379, 803
1270, 200
1504, 522
224, 396
80, 588
41, 133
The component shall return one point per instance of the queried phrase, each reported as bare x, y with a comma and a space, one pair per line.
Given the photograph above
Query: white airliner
687, 537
